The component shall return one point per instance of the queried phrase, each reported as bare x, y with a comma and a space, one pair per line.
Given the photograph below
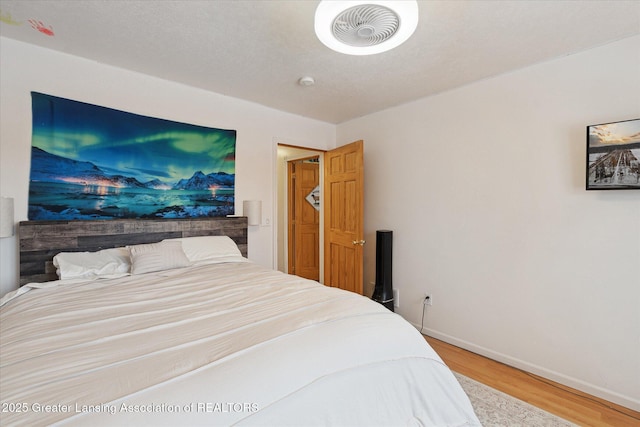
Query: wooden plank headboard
40, 241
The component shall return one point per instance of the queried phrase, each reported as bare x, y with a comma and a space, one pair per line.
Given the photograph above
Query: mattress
223, 344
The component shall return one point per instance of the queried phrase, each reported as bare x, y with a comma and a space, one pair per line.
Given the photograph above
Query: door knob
358, 242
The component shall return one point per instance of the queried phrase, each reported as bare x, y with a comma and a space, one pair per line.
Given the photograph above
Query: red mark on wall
38, 25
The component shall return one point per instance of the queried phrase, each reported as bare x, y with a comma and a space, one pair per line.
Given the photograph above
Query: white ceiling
257, 50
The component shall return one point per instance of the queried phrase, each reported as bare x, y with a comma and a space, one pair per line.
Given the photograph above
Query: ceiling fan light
356, 27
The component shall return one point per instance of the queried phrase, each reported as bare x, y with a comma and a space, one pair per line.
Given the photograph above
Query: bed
168, 323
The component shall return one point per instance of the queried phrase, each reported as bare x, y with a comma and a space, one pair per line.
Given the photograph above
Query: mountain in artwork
200, 181
47, 167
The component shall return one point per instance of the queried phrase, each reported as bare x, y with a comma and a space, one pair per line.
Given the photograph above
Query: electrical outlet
396, 298
428, 299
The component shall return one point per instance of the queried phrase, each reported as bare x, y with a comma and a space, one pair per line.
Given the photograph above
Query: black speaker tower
383, 292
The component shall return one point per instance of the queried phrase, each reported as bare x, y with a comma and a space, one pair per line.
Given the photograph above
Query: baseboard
568, 381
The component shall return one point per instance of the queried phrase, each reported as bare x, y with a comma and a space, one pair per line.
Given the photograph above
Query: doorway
287, 153
341, 240
303, 211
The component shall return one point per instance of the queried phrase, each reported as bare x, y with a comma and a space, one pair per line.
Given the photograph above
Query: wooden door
344, 210
304, 218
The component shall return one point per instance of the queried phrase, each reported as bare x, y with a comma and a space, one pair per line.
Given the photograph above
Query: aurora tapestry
92, 162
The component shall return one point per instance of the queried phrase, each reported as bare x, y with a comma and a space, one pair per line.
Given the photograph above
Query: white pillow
106, 263
202, 250
156, 257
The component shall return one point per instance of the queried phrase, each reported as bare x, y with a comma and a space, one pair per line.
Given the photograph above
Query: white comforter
223, 344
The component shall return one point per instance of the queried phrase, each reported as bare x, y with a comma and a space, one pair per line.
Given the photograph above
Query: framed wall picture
613, 156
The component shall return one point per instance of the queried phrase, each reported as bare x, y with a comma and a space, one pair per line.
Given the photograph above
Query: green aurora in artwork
95, 162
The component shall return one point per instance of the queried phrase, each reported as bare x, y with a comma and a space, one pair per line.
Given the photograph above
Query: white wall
25, 68
483, 187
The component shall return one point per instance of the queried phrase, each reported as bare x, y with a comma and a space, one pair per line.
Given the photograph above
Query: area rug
497, 409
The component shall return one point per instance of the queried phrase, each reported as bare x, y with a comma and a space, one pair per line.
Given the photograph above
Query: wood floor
570, 404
